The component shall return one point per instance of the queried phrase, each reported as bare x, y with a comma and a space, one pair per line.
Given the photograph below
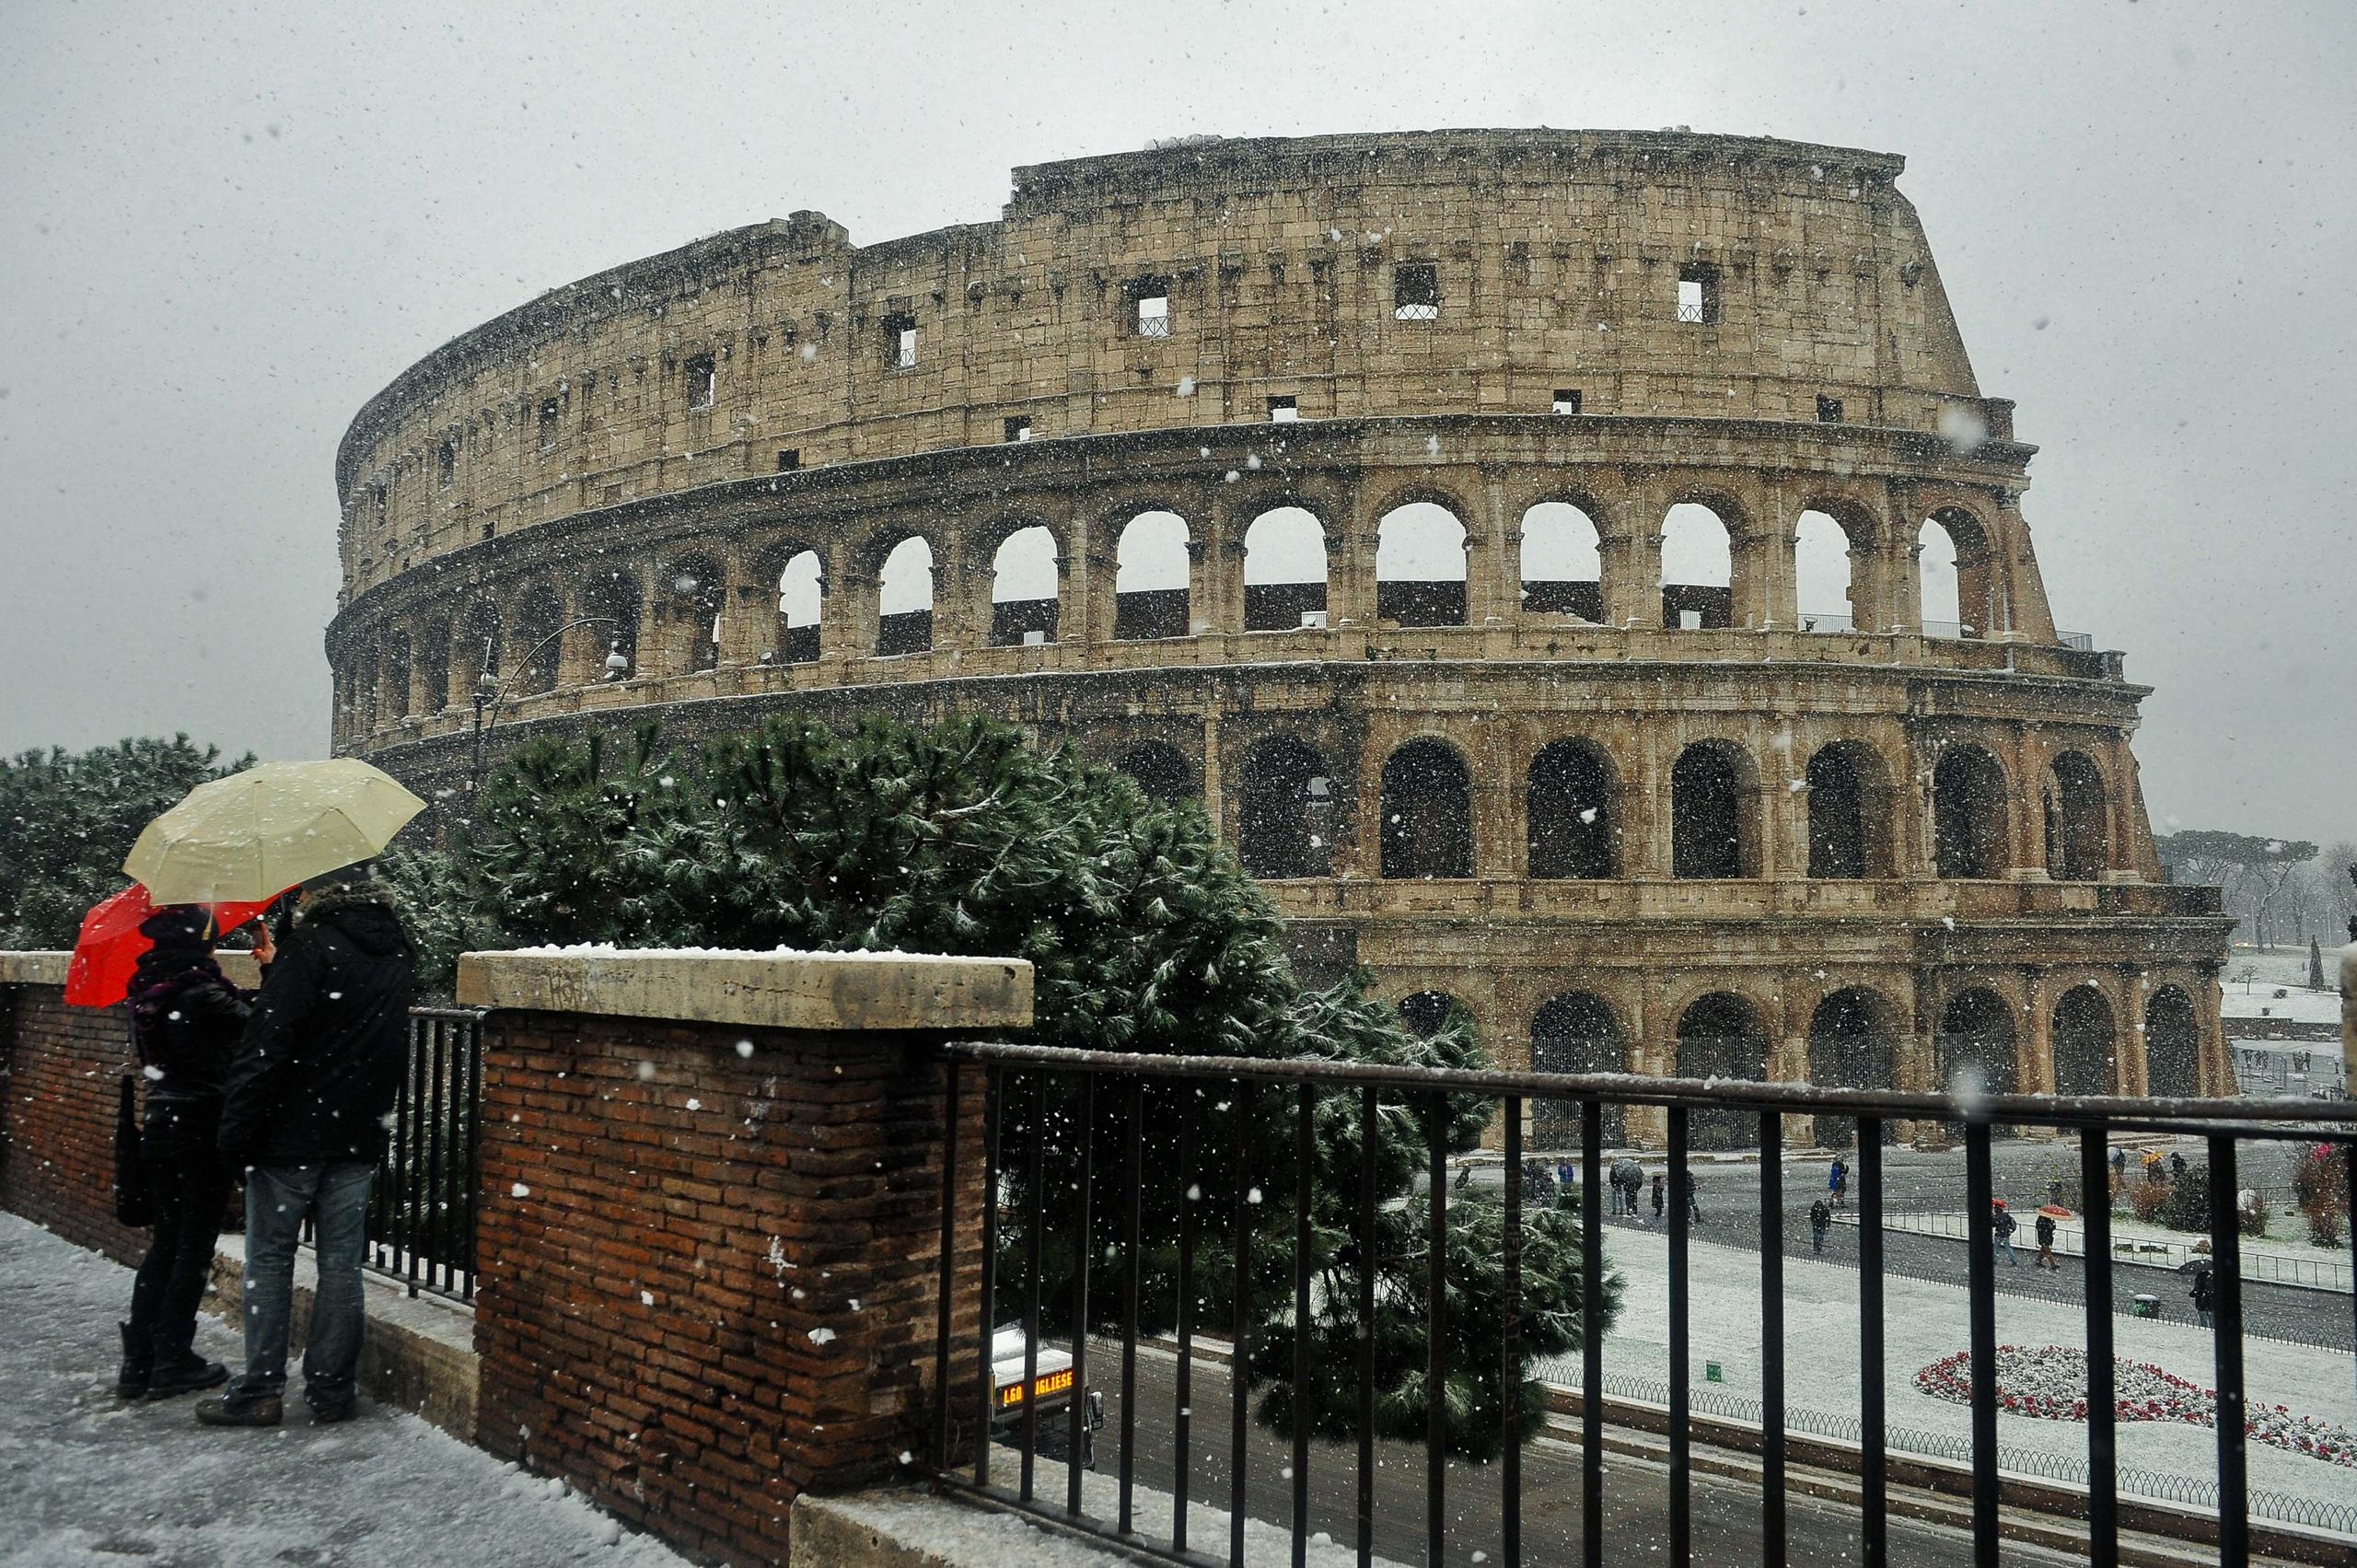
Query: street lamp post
490, 691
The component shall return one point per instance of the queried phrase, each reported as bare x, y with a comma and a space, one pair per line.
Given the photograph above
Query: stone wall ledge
908, 1526
757, 990
45, 968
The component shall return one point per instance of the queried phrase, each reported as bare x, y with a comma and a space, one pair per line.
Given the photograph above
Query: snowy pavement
89, 1480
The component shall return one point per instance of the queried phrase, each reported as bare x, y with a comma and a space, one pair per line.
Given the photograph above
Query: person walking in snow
1628, 1178
1819, 1217
2045, 1258
1693, 1209
1658, 1180
304, 1111
2205, 1294
185, 1020
2176, 1163
2003, 1227
1836, 1182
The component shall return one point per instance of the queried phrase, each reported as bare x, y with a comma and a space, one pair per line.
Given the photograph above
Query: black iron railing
1014, 1081
422, 1207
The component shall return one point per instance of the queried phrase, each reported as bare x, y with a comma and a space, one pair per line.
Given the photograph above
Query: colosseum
1578, 572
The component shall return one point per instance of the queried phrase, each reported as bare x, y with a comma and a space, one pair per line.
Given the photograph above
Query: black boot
267, 1410
184, 1373
138, 1366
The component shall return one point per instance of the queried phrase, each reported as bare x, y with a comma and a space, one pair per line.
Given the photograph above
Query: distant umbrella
2054, 1211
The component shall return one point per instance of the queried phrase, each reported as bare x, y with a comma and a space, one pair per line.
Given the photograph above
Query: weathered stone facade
1887, 848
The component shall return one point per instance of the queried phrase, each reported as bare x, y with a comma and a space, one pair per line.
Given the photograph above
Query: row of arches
1292, 807
1854, 1038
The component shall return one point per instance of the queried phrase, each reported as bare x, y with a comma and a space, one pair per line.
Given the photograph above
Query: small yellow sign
1043, 1387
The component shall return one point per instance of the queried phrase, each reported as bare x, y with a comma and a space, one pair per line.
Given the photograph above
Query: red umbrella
110, 945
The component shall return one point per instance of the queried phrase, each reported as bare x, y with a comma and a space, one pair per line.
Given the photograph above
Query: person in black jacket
305, 1113
185, 1019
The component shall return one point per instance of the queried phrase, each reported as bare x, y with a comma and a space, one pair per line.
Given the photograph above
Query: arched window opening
1285, 813
1160, 769
1427, 813
1848, 812
1942, 603
613, 596
395, 676
1023, 589
1284, 571
1969, 814
1710, 835
1574, 824
2084, 1043
434, 667
1976, 1048
801, 600
1420, 566
479, 650
1153, 567
698, 594
1428, 1012
1575, 1033
1821, 574
536, 643
1721, 1037
904, 600
363, 677
2078, 837
2172, 1045
1851, 1043
1960, 592
1697, 569
1562, 563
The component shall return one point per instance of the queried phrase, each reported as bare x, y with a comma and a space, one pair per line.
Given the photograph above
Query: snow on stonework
2050, 1383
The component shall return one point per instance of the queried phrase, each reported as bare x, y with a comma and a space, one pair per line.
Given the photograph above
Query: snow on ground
1924, 1322
88, 1480
2287, 1259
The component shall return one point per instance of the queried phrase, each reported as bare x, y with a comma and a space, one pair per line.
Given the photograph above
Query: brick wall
59, 1068
709, 1259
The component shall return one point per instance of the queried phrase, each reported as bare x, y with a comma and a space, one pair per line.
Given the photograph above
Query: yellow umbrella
254, 834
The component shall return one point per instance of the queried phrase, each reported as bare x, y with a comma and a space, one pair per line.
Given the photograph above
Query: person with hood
304, 1112
2205, 1293
1836, 1182
1629, 1177
1658, 1180
1820, 1218
185, 1020
2045, 1258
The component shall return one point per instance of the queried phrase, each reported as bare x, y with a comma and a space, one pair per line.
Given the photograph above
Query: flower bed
2050, 1383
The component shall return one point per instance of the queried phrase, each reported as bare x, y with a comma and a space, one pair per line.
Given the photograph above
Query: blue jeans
278, 1199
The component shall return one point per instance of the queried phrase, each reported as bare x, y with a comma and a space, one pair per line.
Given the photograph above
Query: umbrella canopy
246, 836
110, 945
2054, 1211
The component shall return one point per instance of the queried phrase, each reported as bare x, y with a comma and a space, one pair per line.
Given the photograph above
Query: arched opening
395, 676
1427, 812
537, 615
698, 594
1562, 562
1821, 579
1160, 769
479, 650
2084, 1043
1575, 1033
1427, 1013
434, 667
1711, 831
1023, 588
801, 600
1851, 1043
1285, 811
1574, 819
613, 596
1153, 565
1720, 1036
904, 600
1960, 592
1969, 814
2172, 1045
1284, 571
1697, 568
1943, 601
362, 677
1976, 1047
2078, 837
1848, 812
1420, 566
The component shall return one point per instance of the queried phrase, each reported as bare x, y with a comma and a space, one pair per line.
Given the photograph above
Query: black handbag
134, 1204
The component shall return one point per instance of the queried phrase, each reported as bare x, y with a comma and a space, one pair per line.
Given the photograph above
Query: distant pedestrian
1567, 1174
2177, 1164
1693, 1209
2205, 1294
1628, 1179
2045, 1258
2001, 1228
1819, 1217
1464, 1177
1836, 1182
2120, 1162
1659, 1179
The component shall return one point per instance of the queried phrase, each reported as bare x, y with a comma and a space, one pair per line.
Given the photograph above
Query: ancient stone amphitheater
1578, 571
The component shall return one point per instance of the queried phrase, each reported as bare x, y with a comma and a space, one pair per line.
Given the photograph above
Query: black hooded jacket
322, 1061
186, 1020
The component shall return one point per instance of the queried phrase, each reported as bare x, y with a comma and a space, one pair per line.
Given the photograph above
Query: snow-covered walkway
88, 1480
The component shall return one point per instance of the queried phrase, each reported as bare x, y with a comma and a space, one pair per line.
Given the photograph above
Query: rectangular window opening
1018, 427
700, 380
789, 460
1415, 292
1828, 409
445, 463
899, 342
1698, 294
548, 410
1153, 315
1567, 400
1284, 411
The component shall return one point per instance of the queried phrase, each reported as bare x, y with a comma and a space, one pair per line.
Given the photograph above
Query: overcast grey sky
227, 225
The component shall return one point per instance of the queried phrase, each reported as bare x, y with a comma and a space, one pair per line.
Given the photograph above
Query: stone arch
1714, 811
1963, 594
1827, 587
906, 596
1285, 810
1027, 581
1575, 1033
1563, 560
1572, 807
480, 647
801, 582
2086, 1042
1969, 805
1153, 577
1977, 1044
1849, 802
1419, 569
2078, 820
432, 657
1427, 810
698, 593
1160, 769
1722, 1035
394, 674
612, 594
1852, 1040
1426, 1013
535, 645
1285, 568
2172, 1045
1697, 547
